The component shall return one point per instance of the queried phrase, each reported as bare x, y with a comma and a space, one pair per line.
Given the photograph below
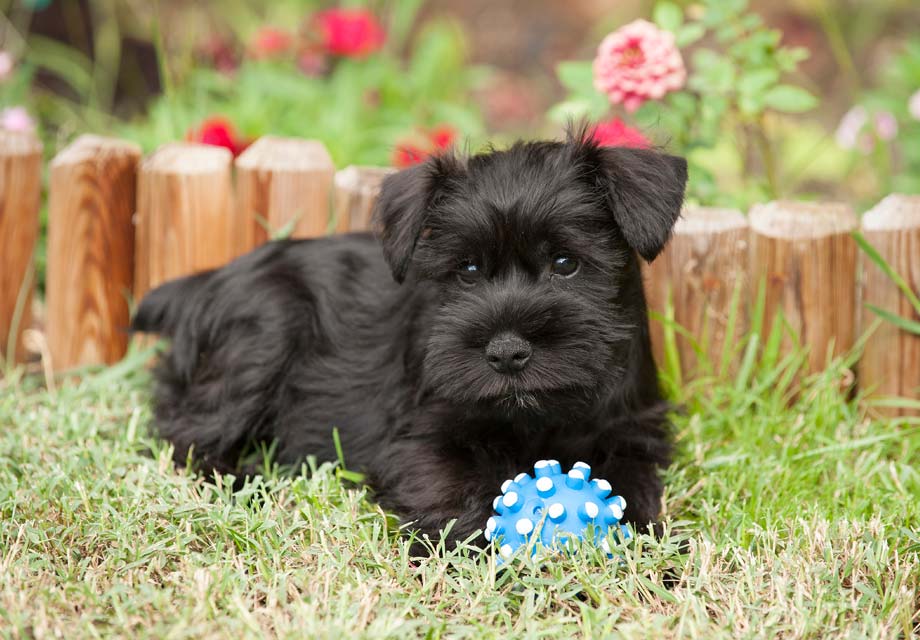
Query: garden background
794, 506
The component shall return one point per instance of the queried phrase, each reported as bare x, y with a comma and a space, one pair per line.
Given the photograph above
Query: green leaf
911, 326
785, 97
689, 33
887, 269
668, 16
750, 105
576, 76
755, 82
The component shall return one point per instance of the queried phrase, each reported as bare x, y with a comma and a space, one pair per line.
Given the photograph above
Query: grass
788, 512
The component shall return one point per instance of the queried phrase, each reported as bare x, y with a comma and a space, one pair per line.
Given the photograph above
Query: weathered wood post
890, 364
286, 184
356, 190
700, 270
185, 221
93, 193
20, 200
806, 255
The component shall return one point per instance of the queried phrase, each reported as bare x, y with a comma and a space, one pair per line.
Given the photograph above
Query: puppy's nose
508, 353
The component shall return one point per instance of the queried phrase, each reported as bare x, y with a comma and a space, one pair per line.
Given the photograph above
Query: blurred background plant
362, 79
735, 112
801, 98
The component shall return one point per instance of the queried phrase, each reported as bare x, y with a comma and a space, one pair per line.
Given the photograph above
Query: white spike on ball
523, 526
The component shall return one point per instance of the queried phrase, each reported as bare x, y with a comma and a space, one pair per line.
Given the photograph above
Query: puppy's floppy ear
405, 200
645, 190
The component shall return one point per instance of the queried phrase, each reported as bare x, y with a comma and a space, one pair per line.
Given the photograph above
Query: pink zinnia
616, 133
353, 33
16, 119
638, 62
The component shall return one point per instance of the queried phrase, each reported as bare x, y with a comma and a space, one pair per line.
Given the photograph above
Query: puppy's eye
564, 266
469, 273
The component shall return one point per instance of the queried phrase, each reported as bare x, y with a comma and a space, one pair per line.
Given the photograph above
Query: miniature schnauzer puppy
498, 319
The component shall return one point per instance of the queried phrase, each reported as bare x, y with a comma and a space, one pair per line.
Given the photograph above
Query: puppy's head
533, 252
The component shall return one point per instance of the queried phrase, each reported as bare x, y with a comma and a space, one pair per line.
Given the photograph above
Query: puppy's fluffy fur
386, 338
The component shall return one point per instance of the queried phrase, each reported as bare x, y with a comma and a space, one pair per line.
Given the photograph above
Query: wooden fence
120, 224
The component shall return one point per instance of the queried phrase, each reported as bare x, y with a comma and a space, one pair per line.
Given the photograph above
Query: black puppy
500, 319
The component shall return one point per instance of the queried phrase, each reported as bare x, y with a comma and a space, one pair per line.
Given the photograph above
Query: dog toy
559, 507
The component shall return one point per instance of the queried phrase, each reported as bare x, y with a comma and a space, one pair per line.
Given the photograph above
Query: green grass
789, 514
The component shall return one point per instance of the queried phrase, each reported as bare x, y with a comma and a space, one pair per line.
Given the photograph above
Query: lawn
788, 514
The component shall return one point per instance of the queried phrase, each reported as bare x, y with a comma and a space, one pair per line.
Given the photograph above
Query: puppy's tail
163, 308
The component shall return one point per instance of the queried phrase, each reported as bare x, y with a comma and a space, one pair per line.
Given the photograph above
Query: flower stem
767, 156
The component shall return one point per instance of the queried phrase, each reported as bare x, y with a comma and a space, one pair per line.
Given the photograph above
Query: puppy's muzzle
508, 353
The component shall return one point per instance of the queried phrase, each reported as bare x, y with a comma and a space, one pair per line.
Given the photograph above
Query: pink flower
886, 125
6, 65
851, 125
913, 105
638, 62
852, 131
353, 33
16, 119
616, 133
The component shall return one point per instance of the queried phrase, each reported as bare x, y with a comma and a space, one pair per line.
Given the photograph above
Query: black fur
299, 337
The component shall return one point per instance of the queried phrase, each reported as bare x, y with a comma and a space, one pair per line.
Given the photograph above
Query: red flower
353, 33
406, 155
616, 133
270, 42
442, 136
219, 132
412, 151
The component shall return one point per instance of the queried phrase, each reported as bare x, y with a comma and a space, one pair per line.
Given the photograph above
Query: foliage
736, 93
360, 110
360, 102
905, 324
891, 162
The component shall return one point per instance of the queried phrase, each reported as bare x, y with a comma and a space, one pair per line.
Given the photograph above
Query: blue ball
559, 507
